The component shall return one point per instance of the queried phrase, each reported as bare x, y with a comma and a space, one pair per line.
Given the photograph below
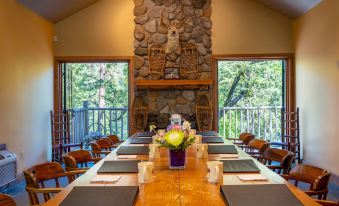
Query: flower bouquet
177, 139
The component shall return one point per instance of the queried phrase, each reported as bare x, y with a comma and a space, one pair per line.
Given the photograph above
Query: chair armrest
327, 203
95, 160
274, 167
43, 190
286, 177
68, 169
76, 172
101, 152
311, 192
230, 138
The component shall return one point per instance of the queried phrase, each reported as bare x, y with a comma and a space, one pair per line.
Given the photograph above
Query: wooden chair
327, 203
106, 144
317, 178
284, 157
6, 200
79, 157
256, 148
243, 140
37, 175
290, 133
61, 136
97, 150
114, 139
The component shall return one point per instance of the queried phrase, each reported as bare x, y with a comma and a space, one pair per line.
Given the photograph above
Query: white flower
186, 126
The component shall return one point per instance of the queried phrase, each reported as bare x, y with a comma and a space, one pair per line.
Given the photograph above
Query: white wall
317, 58
26, 83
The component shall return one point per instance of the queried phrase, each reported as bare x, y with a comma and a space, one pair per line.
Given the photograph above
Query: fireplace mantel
173, 84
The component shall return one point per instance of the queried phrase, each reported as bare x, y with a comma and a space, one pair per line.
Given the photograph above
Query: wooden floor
180, 187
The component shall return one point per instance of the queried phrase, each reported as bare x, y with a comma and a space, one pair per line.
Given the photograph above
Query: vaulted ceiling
56, 10
290, 8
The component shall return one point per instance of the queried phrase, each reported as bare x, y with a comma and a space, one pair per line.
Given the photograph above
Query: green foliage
250, 83
87, 80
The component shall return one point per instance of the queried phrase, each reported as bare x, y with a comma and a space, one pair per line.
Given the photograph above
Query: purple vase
177, 159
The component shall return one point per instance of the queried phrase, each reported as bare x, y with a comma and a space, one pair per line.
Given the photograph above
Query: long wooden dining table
179, 187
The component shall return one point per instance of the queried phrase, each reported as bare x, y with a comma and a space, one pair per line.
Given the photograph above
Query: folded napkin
252, 177
228, 155
127, 156
105, 179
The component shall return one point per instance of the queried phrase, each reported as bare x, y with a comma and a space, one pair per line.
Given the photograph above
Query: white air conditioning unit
7, 166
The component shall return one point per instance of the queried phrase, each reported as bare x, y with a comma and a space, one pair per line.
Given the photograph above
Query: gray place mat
133, 150
141, 140
212, 140
119, 166
103, 196
207, 133
222, 149
145, 134
240, 165
259, 195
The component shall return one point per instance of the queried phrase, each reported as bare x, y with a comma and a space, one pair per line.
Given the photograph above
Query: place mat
228, 155
139, 140
259, 195
105, 179
127, 156
145, 134
241, 165
212, 140
133, 150
119, 166
207, 133
222, 149
252, 177
103, 196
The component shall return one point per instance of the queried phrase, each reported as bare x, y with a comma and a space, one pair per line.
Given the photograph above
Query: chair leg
325, 196
296, 183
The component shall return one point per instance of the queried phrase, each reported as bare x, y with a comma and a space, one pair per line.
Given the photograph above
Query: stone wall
149, 31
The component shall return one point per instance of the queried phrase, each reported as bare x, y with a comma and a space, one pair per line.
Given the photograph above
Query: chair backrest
43, 172
114, 138
246, 137
285, 157
104, 143
317, 177
258, 144
95, 147
70, 163
80, 156
6, 200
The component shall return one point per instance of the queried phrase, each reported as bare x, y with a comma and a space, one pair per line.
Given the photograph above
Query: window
251, 93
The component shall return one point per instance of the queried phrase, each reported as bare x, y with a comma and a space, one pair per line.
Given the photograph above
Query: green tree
102, 84
250, 83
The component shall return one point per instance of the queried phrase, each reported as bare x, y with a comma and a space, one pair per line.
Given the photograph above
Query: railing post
86, 118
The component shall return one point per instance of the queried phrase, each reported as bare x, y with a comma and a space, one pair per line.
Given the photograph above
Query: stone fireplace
149, 30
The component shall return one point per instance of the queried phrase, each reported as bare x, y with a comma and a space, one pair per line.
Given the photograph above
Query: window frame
58, 76
289, 84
